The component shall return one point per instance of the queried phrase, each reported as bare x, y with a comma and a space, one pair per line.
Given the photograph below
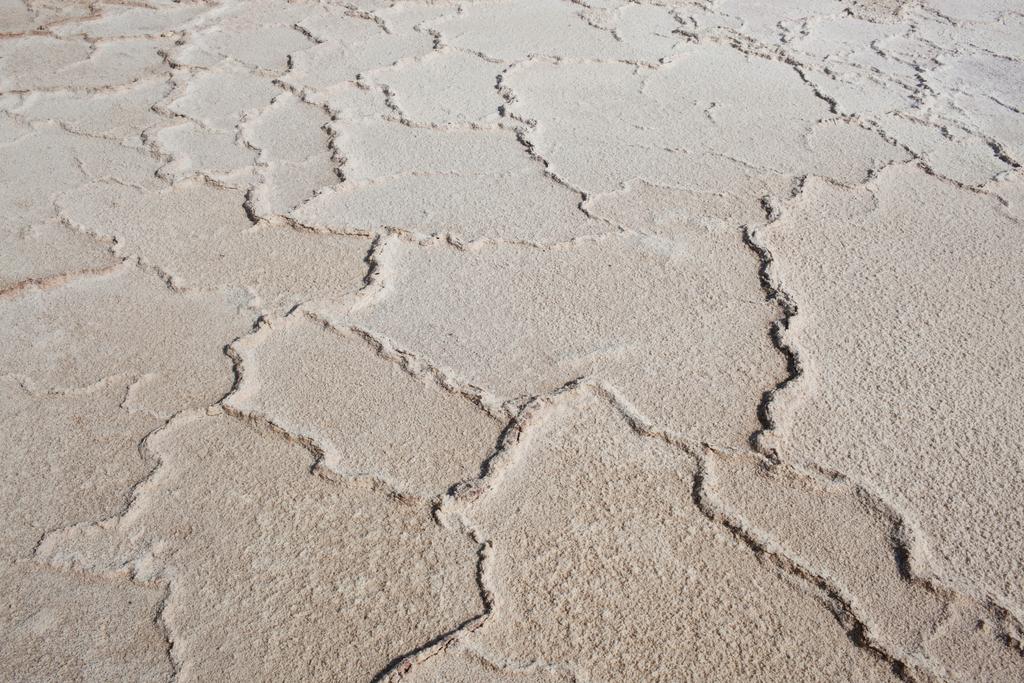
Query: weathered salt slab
219, 98
70, 458
379, 149
912, 337
40, 62
472, 185
48, 253
123, 324
69, 625
444, 88
354, 46
204, 152
122, 114
850, 538
261, 46
677, 324
37, 167
296, 156
520, 206
687, 124
273, 570
456, 322
370, 417
586, 574
513, 31
200, 237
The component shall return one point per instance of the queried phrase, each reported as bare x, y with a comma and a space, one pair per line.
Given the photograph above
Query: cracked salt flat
644, 583
532, 341
230, 496
960, 430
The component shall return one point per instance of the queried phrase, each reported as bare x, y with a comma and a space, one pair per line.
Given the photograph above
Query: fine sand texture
525, 341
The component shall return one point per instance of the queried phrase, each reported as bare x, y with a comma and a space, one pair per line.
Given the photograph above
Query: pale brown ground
525, 340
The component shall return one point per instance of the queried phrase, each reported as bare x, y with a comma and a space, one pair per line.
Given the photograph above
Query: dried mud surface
512, 340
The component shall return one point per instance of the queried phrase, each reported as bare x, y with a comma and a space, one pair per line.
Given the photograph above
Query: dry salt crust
526, 340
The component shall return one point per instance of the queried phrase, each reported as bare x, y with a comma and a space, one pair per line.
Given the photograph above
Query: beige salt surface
910, 324
370, 415
68, 458
199, 237
47, 160
458, 664
588, 576
847, 538
274, 571
30, 62
70, 626
511, 340
295, 155
121, 114
123, 324
524, 206
49, 252
679, 330
698, 129
472, 185
466, 93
